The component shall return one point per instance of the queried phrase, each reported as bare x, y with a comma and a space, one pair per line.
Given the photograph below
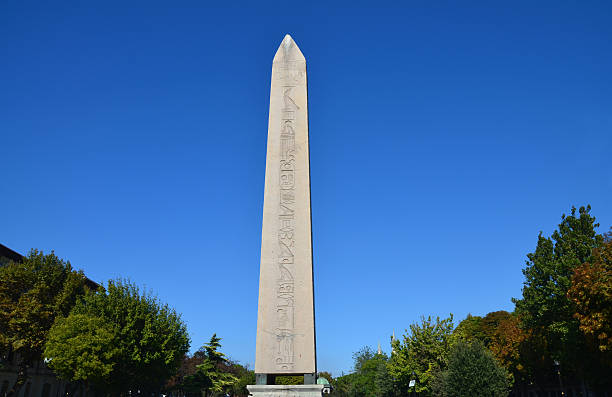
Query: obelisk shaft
285, 321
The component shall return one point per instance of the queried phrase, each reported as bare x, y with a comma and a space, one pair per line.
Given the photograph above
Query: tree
370, 377
500, 332
83, 348
424, 351
33, 293
361, 357
326, 375
211, 377
607, 236
343, 385
472, 372
591, 293
132, 341
187, 380
504, 337
469, 329
245, 377
188, 367
544, 307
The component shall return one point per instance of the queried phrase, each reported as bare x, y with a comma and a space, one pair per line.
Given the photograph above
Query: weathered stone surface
285, 322
286, 390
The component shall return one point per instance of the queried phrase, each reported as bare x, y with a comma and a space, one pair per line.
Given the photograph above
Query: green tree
245, 377
132, 341
343, 385
211, 377
472, 372
424, 350
361, 357
83, 348
326, 375
370, 377
607, 237
544, 307
470, 329
500, 332
33, 293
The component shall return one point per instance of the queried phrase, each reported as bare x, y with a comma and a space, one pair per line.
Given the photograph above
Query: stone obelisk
285, 321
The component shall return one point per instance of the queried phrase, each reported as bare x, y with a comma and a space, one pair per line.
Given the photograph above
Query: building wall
41, 382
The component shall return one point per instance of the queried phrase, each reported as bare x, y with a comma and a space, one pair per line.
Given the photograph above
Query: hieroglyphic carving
285, 293
290, 72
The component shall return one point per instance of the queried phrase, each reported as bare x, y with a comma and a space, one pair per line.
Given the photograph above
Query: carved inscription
290, 76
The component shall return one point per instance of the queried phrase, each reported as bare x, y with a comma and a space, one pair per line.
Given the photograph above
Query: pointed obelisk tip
288, 50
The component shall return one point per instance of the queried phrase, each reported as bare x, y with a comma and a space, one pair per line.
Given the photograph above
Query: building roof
10, 255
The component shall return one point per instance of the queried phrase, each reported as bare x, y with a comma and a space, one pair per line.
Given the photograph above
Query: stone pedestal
285, 390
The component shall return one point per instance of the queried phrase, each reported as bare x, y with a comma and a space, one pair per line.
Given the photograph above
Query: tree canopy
212, 375
591, 293
129, 339
424, 350
33, 293
472, 372
544, 307
370, 377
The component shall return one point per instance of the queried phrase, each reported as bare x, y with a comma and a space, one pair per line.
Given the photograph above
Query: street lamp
558, 368
413, 381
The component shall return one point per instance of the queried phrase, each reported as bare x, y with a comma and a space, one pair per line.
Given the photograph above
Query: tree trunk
22, 377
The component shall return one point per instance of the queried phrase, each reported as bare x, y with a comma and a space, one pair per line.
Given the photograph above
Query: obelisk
285, 321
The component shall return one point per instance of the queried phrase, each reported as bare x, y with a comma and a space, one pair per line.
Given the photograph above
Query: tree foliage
326, 375
212, 375
591, 293
472, 372
504, 339
289, 380
83, 348
470, 329
33, 293
245, 377
370, 377
544, 306
500, 332
424, 350
607, 237
132, 341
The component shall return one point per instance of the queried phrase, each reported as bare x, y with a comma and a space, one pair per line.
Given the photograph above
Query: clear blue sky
444, 136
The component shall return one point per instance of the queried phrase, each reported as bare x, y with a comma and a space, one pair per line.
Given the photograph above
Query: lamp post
558, 368
413, 380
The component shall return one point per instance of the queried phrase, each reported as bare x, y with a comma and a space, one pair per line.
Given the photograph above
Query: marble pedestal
285, 390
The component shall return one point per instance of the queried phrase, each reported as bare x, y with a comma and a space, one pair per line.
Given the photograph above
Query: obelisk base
285, 390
